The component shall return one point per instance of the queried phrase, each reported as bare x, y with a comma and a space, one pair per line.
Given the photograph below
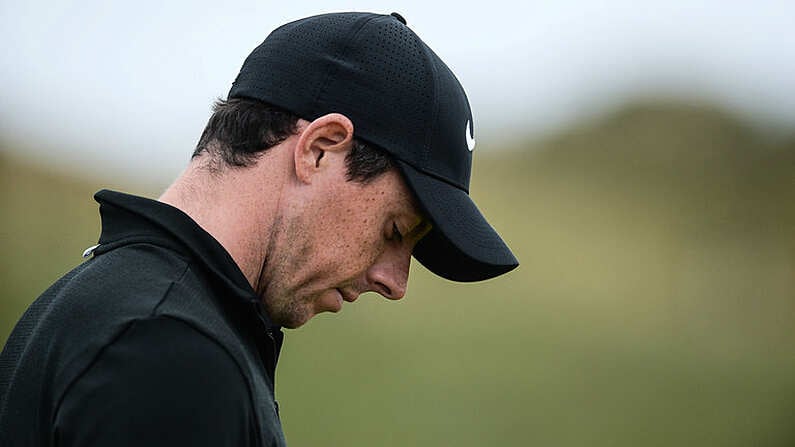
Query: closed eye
396, 233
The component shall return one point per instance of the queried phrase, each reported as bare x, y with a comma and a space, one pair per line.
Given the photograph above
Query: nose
390, 273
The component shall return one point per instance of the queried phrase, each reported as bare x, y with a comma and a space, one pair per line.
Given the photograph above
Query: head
348, 217
347, 223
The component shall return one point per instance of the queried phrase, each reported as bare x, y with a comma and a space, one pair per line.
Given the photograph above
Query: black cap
400, 97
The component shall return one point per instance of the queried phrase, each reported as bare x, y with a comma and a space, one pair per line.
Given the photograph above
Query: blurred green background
654, 305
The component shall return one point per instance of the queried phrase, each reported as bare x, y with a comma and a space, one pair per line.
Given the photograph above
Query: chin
290, 317
295, 323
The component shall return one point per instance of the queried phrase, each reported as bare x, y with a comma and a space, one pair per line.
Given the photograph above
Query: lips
348, 295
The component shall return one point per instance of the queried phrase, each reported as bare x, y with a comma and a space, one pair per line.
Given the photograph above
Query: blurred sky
125, 88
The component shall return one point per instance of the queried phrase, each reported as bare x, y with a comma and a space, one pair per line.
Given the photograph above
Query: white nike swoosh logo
470, 140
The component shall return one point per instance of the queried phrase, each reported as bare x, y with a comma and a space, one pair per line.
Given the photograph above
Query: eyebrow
421, 229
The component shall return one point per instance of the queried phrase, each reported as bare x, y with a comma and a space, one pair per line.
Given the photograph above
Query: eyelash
396, 233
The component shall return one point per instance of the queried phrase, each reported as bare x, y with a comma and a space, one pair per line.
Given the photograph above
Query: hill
653, 305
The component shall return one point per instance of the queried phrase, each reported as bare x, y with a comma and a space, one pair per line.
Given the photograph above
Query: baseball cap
400, 97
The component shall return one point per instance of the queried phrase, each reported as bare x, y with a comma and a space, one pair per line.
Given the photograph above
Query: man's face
339, 239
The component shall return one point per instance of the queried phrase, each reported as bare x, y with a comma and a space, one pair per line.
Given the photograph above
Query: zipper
268, 331
272, 370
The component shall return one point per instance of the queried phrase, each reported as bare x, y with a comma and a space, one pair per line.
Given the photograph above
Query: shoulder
164, 349
160, 381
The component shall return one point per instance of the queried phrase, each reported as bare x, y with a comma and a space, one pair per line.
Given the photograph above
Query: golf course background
654, 305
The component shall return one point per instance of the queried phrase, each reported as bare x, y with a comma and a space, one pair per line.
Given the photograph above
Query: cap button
399, 17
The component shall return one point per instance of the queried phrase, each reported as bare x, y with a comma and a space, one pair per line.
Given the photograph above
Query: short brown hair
242, 129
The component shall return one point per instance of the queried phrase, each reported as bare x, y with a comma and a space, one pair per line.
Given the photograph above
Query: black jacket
156, 340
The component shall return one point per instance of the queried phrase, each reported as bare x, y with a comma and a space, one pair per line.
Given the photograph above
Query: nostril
384, 289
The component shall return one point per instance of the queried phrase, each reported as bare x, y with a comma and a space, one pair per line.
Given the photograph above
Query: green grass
654, 303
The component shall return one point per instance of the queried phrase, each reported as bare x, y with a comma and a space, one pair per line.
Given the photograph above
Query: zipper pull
90, 251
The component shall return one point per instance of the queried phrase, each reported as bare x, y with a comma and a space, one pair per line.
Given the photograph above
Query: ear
330, 133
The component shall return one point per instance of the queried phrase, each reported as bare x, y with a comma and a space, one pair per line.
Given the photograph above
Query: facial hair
283, 307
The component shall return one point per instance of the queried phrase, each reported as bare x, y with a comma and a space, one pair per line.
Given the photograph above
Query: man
344, 147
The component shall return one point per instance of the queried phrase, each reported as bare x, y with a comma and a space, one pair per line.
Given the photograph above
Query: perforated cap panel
378, 72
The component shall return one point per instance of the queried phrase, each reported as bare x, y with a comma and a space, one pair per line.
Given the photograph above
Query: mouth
348, 296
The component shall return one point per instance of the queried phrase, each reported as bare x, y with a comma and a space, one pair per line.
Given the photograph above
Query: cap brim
462, 246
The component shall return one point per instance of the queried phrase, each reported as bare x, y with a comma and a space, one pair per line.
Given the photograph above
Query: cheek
355, 243
348, 232
353, 250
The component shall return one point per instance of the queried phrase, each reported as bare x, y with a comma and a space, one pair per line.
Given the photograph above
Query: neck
237, 206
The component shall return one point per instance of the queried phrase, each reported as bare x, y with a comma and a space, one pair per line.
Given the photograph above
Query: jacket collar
130, 219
